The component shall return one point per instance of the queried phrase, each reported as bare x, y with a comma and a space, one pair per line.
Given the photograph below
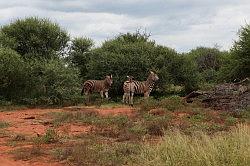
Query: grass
171, 103
50, 136
88, 117
27, 153
67, 117
228, 149
111, 105
163, 132
230, 121
5, 108
3, 124
93, 153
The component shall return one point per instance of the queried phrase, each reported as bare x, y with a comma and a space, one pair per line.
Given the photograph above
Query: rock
228, 96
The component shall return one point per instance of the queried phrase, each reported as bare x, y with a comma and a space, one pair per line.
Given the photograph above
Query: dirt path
33, 122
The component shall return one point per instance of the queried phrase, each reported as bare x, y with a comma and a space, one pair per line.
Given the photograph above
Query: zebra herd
130, 87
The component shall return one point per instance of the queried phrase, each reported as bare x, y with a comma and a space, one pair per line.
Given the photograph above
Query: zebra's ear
151, 72
127, 76
111, 76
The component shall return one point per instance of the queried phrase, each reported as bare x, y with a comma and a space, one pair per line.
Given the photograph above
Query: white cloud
94, 25
180, 24
221, 29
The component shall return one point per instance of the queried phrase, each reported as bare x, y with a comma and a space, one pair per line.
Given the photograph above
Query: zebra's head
130, 78
153, 76
108, 80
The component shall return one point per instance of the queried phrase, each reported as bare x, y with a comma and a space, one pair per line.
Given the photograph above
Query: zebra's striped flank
101, 86
131, 87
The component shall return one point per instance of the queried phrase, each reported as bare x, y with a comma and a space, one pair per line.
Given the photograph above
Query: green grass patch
5, 108
4, 124
88, 117
230, 121
50, 136
171, 103
93, 153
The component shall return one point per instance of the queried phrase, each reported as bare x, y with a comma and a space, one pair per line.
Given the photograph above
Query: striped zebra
131, 87
101, 86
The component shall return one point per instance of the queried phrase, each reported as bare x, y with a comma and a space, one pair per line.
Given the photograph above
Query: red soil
116, 111
33, 122
73, 129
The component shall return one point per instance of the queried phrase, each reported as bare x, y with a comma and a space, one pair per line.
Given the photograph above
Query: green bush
12, 74
52, 82
135, 54
37, 82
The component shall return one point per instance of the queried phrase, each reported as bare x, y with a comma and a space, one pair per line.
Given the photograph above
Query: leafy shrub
12, 74
51, 82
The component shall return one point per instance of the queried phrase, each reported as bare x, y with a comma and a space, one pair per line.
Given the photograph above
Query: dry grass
28, 153
225, 149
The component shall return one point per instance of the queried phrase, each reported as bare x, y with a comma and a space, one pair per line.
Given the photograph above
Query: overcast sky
180, 24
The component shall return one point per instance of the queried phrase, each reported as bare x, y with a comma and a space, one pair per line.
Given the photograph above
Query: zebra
101, 86
128, 87
131, 87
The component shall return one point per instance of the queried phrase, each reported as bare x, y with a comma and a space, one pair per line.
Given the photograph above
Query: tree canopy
34, 37
241, 54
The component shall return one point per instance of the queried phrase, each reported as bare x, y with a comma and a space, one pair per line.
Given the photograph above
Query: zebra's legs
127, 98
146, 95
106, 94
101, 93
131, 96
123, 98
87, 98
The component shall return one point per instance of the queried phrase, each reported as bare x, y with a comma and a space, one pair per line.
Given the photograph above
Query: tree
241, 54
80, 53
209, 61
206, 58
34, 37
